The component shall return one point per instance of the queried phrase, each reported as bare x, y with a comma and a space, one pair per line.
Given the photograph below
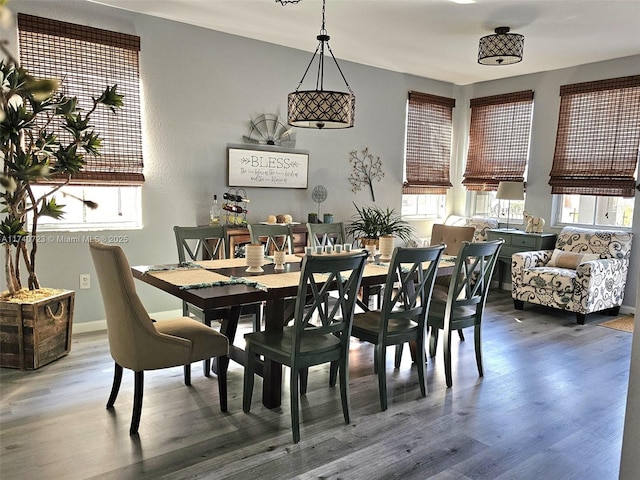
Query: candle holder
278, 259
255, 258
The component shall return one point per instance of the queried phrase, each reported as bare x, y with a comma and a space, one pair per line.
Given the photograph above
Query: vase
328, 218
278, 259
386, 247
254, 254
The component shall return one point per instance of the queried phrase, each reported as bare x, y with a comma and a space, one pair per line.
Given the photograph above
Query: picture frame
267, 166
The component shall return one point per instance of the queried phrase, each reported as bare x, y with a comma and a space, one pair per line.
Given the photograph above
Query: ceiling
436, 39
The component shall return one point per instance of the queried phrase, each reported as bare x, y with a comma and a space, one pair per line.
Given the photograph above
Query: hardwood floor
550, 406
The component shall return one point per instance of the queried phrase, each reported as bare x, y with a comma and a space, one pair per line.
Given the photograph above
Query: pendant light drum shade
502, 48
321, 109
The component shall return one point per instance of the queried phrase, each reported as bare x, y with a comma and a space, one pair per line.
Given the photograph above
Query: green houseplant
45, 137
32, 114
371, 222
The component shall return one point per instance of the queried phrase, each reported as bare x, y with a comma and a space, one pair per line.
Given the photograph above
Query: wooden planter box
34, 334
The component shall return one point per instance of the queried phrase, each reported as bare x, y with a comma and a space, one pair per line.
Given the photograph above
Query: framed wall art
266, 166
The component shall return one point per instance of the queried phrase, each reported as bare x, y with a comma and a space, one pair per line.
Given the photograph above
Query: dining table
226, 284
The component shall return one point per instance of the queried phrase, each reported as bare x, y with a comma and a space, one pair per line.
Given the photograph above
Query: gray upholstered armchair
585, 273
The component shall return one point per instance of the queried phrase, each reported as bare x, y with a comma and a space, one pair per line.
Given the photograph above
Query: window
87, 60
499, 137
428, 155
424, 206
118, 208
595, 163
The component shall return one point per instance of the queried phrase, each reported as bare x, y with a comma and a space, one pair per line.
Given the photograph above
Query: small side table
518, 241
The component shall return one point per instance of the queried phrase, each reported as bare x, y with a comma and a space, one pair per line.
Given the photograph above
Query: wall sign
262, 166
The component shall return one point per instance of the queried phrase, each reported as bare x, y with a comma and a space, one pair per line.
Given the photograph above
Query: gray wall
199, 90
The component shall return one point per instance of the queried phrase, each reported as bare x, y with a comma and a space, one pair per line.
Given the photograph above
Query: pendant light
321, 108
502, 48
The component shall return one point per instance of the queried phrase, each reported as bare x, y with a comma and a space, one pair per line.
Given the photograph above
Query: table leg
228, 328
272, 371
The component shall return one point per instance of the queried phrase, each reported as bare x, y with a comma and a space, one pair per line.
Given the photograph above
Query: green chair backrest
409, 284
193, 242
273, 237
322, 234
317, 312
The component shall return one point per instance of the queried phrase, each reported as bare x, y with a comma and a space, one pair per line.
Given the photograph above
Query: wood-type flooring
550, 406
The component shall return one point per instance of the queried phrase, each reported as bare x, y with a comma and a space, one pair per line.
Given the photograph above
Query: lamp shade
510, 191
501, 48
321, 109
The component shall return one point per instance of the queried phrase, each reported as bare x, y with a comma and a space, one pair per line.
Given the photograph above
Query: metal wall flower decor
365, 169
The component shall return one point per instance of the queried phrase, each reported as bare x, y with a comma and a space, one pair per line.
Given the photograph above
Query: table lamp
510, 191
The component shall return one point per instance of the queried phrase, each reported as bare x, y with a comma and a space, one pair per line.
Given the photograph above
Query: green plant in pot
45, 137
34, 151
369, 223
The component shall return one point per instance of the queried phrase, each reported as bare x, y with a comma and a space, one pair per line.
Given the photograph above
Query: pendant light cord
323, 38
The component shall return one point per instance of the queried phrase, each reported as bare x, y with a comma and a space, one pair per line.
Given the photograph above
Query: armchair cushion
570, 260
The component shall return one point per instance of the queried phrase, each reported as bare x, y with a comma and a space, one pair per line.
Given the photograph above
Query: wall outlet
85, 281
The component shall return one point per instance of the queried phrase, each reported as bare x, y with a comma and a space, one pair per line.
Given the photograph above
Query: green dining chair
405, 303
322, 234
463, 304
320, 332
198, 243
272, 236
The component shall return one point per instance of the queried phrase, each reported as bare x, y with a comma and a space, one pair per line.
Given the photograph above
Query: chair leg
433, 341
187, 375
580, 318
518, 304
477, 337
381, 355
295, 405
344, 389
304, 379
447, 358
421, 365
137, 402
247, 391
398, 358
333, 374
613, 311
223, 364
461, 335
115, 388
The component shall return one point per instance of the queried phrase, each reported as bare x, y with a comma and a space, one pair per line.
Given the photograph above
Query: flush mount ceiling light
503, 48
321, 108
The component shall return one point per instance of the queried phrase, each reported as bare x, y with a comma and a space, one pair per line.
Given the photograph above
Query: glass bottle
214, 213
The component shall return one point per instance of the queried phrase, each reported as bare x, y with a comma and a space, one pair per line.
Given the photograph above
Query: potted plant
372, 222
45, 138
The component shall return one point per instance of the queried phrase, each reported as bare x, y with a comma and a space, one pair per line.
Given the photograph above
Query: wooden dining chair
194, 244
405, 303
138, 343
323, 234
463, 304
272, 236
320, 332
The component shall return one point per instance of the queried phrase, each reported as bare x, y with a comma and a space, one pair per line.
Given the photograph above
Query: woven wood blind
428, 155
598, 138
87, 60
498, 140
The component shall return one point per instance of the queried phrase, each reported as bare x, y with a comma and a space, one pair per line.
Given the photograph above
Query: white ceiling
436, 39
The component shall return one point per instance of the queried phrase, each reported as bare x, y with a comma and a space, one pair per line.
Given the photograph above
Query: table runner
191, 278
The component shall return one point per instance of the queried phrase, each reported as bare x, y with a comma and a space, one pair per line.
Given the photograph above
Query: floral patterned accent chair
585, 273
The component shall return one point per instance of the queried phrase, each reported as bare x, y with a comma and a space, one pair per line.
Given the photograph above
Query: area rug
624, 323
